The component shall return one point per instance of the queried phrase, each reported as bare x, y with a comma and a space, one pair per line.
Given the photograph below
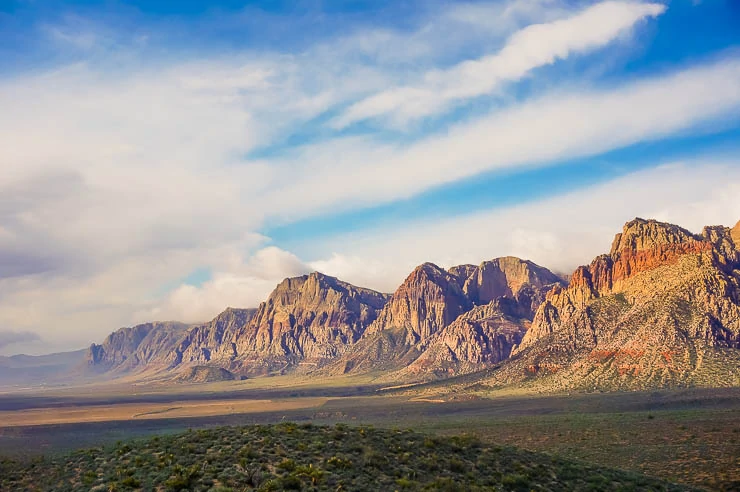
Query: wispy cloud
244, 282
532, 47
542, 131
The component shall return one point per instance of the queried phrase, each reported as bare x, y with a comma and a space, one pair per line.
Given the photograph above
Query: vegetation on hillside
289, 456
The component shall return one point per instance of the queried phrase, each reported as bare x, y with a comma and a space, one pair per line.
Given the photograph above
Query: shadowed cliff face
306, 320
660, 309
130, 348
440, 323
512, 278
428, 300
211, 342
481, 337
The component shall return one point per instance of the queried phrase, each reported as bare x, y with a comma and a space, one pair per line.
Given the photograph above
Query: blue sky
168, 159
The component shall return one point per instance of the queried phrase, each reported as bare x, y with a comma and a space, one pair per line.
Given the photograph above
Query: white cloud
441, 34
11, 337
555, 127
245, 283
363, 271
532, 47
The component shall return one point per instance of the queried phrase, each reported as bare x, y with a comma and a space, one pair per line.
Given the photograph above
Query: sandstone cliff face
661, 308
307, 320
513, 278
211, 341
735, 235
428, 300
131, 348
482, 337
506, 292
441, 323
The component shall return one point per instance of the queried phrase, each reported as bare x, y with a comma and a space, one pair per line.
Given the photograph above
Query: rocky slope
428, 300
661, 309
306, 321
130, 349
211, 342
481, 337
440, 323
204, 374
522, 281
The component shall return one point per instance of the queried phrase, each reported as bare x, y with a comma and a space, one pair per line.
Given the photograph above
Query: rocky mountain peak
450, 322
462, 272
507, 277
316, 288
287, 291
735, 233
653, 311
305, 320
429, 299
640, 234
428, 272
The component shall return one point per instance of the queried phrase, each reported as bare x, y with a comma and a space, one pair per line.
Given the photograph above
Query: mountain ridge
656, 311
662, 307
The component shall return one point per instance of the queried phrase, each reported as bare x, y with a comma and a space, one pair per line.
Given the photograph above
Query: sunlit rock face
662, 308
440, 323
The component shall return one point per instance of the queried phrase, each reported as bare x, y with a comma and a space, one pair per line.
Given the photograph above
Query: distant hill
22, 370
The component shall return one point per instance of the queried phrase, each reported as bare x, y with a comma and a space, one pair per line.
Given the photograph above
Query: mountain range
662, 308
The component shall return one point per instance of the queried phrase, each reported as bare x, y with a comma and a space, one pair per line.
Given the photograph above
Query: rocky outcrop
211, 342
133, 348
428, 300
522, 281
735, 235
205, 374
306, 320
661, 308
505, 293
482, 337
440, 323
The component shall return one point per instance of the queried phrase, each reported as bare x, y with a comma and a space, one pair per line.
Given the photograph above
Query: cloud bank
8, 338
534, 46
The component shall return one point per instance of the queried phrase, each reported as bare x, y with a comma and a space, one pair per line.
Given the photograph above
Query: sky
164, 160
